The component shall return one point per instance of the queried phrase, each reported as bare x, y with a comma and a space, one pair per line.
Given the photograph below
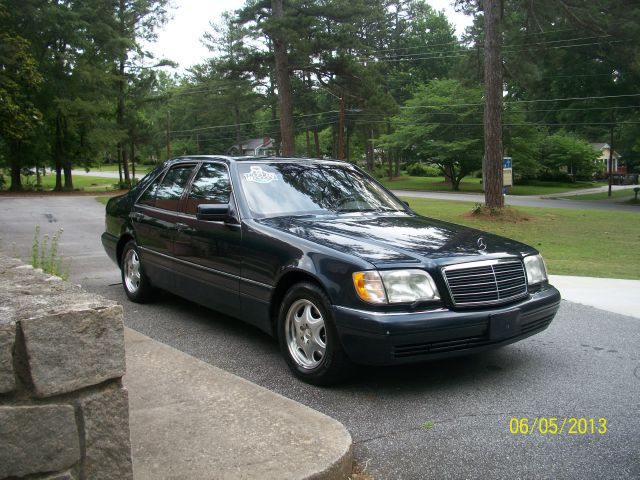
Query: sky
180, 41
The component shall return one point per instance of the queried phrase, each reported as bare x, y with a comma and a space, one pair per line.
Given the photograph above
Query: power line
249, 123
456, 42
506, 47
373, 115
466, 53
566, 99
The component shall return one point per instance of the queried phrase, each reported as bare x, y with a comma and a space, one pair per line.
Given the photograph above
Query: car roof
265, 159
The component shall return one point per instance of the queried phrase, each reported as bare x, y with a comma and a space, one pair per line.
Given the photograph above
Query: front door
207, 252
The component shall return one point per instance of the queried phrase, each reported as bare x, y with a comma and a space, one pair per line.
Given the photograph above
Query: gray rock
26, 294
71, 350
59, 476
105, 417
7, 339
37, 439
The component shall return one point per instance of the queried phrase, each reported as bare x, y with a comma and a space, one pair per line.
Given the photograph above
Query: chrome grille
491, 281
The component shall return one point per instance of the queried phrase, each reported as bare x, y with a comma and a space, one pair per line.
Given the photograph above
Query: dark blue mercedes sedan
321, 256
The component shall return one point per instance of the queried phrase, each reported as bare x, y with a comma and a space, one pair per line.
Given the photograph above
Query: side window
168, 192
211, 185
149, 195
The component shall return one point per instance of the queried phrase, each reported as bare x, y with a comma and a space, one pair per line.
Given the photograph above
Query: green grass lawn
472, 185
436, 184
140, 169
619, 195
573, 242
80, 182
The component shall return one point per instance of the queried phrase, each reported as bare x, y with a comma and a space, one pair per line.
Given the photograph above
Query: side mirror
213, 212
406, 203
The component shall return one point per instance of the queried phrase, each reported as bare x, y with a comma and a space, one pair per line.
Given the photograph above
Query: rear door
207, 252
154, 218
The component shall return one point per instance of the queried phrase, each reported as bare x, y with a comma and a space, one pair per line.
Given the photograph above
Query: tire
135, 282
308, 337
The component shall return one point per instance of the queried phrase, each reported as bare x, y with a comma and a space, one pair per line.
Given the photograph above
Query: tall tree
19, 80
283, 80
493, 105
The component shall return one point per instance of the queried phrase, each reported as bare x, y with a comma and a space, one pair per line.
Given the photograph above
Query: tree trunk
455, 179
369, 150
121, 83
347, 146
133, 161
125, 166
58, 152
306, 131
14, 153
284, 84
68, 180
493, 104
316, 140
334, 142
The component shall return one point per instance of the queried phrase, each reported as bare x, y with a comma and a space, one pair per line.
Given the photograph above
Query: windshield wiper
367, 210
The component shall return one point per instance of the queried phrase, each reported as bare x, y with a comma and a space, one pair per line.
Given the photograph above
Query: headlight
395, 286
536, 270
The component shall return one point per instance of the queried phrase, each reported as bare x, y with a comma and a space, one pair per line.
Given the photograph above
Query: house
602, 161
259, 147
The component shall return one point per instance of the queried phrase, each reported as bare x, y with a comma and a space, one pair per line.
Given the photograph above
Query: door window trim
232, 193
195, 167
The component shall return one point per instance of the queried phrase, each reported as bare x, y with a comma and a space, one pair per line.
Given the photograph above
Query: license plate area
504, 325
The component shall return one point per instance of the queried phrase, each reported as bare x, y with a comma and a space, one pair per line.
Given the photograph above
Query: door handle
137, 216
181, 226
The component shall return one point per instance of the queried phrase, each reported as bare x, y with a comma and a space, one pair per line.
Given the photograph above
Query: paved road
527, 201
587, 364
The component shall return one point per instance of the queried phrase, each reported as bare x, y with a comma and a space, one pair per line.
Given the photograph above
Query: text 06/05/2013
558, 426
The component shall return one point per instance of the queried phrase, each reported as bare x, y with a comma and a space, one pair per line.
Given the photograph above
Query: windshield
284, 189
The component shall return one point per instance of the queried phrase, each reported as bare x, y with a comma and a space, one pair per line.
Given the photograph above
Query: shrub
423, 170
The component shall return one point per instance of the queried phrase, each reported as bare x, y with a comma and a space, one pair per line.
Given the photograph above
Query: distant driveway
525, 201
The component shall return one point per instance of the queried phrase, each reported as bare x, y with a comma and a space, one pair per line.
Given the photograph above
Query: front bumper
387, 338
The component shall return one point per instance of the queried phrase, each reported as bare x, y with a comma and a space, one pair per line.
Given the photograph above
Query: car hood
383, 239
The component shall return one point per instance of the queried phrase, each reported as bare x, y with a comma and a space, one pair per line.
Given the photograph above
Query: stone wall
64, 413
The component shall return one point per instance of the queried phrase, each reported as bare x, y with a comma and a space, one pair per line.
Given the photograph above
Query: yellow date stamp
557, 426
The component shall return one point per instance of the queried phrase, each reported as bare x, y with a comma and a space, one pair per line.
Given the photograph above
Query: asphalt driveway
446, 419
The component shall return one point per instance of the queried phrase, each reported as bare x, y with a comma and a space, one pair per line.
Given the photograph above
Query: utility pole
493, 104
610, 158
168, 135
341, 130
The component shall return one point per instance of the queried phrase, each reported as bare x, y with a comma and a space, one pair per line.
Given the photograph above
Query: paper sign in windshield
258, 175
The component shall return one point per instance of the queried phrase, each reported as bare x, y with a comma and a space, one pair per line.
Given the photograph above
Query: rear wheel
135, 282
308, 337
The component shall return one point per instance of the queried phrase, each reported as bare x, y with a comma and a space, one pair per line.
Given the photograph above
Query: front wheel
135, 282
308, 337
